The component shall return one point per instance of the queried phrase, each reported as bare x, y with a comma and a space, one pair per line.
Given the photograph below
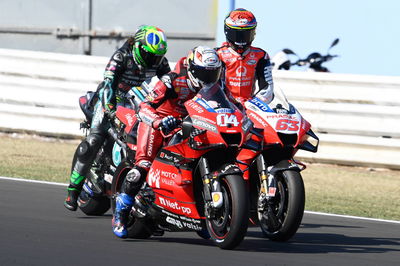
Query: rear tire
229, 227
91, 206
288, 207
136, 227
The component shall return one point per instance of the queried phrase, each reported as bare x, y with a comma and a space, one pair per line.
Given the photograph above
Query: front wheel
285, 211
228, 226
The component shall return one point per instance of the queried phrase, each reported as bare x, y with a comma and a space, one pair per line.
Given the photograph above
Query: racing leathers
242, 70
165, 100
165, 103
121, 74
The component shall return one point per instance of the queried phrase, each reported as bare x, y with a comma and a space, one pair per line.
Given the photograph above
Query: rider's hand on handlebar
168, 124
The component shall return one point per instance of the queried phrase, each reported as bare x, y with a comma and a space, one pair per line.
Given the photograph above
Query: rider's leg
85, 155
149, 142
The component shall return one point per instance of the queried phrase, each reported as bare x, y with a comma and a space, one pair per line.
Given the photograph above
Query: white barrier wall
356, 117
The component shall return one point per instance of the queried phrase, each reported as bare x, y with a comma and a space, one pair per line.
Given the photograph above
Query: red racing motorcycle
194, 183
119, 143
277, 195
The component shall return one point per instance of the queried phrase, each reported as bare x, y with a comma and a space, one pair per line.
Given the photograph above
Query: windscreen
215, 98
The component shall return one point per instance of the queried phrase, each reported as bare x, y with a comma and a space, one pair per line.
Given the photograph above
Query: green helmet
150, 46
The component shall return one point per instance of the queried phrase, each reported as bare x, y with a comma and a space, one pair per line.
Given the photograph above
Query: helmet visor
206, 75
239, 36
150, 60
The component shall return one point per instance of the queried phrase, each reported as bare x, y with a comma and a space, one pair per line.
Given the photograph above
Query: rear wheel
91, 206
136, 227
281, 221
229, 225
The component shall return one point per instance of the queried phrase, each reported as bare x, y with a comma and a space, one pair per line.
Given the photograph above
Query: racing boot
74, 189
123, 205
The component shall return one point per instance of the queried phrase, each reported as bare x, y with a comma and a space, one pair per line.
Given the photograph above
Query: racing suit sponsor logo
150, 146
239, 84
118, 57
130, 63
241, 71
251, 62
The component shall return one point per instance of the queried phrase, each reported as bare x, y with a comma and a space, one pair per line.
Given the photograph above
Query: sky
369, 31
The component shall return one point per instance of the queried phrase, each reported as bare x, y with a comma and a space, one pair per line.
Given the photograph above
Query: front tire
229, 226
287, 207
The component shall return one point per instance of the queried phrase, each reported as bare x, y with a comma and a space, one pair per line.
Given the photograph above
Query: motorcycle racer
243, 63
139, 58
161, 112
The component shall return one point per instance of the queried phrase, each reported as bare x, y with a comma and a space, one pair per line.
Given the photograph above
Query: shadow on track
315, 243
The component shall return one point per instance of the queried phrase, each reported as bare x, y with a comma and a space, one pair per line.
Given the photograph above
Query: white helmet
203, 66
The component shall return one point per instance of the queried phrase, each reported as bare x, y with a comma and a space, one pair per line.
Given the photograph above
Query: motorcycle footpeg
92, 193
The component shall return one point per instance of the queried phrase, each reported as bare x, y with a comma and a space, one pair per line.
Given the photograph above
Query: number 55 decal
286, 124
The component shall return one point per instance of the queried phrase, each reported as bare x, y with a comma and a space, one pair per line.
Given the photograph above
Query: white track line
309, 212
33, 181
353, 217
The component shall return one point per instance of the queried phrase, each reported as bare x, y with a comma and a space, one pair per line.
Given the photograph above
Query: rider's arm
162, 91
114, 68
163, 69
264, 78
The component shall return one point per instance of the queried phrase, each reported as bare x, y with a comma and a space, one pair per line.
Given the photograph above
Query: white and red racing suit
167, 98
242, 70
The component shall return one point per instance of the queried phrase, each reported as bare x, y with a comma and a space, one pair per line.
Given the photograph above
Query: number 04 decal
224, 119
286, 124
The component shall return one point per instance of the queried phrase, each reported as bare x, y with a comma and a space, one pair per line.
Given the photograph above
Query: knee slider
133, 181
83, 150
95, 140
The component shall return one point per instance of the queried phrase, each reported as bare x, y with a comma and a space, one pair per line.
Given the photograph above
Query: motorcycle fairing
127, 116
172, 222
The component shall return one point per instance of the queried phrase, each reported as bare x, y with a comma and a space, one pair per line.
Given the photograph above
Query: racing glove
107, 94
168, 123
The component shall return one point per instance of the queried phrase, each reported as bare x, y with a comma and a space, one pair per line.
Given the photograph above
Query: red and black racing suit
167, 98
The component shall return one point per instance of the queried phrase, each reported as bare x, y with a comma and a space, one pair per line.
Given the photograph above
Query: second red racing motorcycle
277, 195
194, 183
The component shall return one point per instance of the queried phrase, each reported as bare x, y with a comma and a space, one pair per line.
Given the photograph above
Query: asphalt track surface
35, 229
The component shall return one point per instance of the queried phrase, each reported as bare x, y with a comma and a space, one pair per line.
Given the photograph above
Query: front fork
211, 188
267, 186
268, 182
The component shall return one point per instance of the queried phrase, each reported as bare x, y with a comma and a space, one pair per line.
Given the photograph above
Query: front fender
229, 169
284, 165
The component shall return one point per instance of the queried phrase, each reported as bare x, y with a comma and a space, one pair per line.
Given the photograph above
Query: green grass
36, 158
329, 188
